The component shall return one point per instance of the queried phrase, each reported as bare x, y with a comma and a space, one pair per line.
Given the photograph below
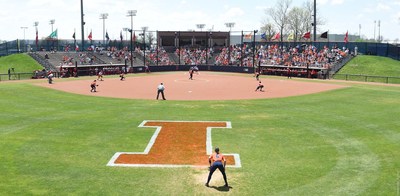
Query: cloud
382, 7
322, 2
262, 8
234, 12
337, 2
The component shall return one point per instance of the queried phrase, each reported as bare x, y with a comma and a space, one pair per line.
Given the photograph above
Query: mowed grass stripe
344, 141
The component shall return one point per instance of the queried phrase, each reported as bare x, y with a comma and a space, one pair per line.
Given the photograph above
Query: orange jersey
217, 157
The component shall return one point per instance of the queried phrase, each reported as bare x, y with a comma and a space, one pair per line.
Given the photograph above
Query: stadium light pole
177, 37
229, 25
379, 30
315, 20
374, 30
208, 38
104, 16
24, 28
131, 13
82, 27
36, 24
126, 32
200, 26
241, 49
254, 47
144, 44
51, 22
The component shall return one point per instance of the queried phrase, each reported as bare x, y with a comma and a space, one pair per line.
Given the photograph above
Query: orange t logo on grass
176, 144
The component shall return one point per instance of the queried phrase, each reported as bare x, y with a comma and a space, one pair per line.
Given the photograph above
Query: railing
367, 78
46, 64
16, 76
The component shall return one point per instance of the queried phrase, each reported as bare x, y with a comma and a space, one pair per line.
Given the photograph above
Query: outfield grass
364, 65
22, 63
342, 142
23, 66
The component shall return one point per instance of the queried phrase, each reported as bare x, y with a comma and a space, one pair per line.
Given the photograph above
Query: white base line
153, 139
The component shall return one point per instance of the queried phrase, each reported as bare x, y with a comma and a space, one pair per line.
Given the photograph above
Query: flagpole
91, 38
82, 27
57, 39
74, 39
327, 35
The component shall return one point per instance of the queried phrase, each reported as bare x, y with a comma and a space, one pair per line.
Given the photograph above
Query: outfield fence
16, 76
367, 78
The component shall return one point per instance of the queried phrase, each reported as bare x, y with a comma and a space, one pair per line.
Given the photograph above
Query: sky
340, 16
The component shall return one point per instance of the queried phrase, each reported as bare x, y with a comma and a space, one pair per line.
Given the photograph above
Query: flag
291, 36
324, 35
90, 36
346, 37
134, 37
37, 37
248, 36
277, 36
120, 36
307, 35
53, 34
73, 35
107, 37
264, 36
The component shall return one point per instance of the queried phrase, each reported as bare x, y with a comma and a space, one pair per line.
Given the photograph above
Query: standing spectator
160, 89
215, 161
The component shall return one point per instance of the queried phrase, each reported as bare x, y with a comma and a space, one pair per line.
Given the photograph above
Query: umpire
160, 89
215, 161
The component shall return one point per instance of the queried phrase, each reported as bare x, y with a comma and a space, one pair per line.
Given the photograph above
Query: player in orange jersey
217, 160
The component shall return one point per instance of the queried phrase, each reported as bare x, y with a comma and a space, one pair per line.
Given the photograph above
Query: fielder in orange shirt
217, 160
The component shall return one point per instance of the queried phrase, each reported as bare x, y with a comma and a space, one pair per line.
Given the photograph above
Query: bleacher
68, 58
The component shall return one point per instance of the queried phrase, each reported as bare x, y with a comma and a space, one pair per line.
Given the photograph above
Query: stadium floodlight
104, 16
131, 13
24, 28
51, 22
200, 26
230, 25
36, 24
126, 32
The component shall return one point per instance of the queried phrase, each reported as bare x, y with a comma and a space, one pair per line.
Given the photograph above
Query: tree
269, 29
150, 38
295, 22
279, 14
